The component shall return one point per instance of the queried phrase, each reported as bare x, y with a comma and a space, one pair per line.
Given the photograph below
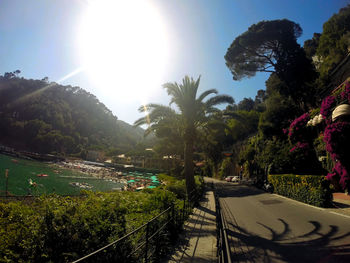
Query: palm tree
192, 113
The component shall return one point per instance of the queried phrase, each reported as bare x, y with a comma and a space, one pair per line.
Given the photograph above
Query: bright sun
123, 47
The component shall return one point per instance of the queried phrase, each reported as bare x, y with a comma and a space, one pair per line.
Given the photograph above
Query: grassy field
22, 171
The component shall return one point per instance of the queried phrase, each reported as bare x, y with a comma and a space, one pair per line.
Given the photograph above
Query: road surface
264, 227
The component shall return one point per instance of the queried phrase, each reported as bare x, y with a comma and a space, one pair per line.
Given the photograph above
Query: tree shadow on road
229, 190
313, 246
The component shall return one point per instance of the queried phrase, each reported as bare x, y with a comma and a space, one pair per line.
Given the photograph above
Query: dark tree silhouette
271, 46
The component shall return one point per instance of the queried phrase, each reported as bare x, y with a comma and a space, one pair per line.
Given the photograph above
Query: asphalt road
264, 227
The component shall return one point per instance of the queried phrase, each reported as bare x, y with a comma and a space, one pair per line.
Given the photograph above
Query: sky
123, 51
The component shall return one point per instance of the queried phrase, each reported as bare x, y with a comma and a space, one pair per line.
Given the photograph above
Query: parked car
232, 179
235, 179
229, 178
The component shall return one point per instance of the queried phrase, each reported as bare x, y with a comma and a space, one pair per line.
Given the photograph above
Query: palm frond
173, 90
206, 93
155, 113
219, 99
212, 110
148, 107
140, 121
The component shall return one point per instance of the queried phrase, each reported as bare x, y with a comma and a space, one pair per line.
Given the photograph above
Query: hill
47, 117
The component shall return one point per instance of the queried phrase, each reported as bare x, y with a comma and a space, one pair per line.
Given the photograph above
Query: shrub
60, 229
310, 189
178, 187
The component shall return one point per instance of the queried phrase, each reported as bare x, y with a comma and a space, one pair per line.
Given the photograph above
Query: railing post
183, 210
146, 245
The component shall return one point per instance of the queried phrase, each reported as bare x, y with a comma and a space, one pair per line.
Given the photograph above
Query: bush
178, 187
310, 189
61, 229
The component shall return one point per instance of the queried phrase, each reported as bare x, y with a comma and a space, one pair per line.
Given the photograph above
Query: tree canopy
267, 46
271, 46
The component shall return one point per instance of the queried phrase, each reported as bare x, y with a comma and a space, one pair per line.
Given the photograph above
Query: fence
223, 247
149, 242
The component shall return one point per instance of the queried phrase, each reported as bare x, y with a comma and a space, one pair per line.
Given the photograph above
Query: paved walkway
342, 203
197, 243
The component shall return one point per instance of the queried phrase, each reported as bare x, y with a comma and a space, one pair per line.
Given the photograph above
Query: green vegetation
46, 117
61, 229
310, 189
334, 42
178, 187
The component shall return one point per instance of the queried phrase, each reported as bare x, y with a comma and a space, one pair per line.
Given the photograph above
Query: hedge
310, 189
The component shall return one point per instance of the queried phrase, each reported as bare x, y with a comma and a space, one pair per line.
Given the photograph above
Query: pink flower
293, 149
339, 171
327, 104
331, 176
336, 137
296, 128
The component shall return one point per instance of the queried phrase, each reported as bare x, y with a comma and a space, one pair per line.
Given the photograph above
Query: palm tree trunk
188, 156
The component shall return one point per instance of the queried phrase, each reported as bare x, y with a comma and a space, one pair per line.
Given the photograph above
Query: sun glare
123, 46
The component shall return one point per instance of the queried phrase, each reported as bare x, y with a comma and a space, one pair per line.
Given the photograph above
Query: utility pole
7, 181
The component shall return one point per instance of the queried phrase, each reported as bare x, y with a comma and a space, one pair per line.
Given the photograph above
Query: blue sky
39, 37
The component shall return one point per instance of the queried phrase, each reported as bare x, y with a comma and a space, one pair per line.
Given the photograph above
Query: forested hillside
47, 117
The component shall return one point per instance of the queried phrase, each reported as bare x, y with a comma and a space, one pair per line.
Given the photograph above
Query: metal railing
223, 247
150, 241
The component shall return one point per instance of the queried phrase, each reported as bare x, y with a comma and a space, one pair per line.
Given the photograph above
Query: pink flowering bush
302, 137
337, 139
340, 173
327, 105
297, 129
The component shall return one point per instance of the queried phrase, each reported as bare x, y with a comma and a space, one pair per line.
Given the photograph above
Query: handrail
223, 247
149, 236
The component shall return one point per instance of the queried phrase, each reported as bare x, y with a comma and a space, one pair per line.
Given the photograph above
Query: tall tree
192, 113
271, 46
264, 47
